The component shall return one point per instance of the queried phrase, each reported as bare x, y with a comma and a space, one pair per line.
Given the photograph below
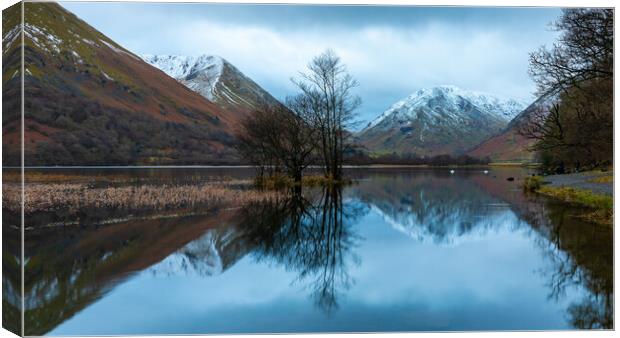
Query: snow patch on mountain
11, 37
108, 77
452, 99
187, 68
117, 50
42, 38
89, 42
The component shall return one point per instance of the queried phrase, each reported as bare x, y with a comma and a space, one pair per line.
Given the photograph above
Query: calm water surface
400, 250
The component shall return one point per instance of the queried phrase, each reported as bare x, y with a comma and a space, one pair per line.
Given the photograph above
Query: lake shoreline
583, 180
346, 166
591, 189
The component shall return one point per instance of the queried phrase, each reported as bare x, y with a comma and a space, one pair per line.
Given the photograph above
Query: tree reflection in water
436, 206
584, 258
581, 256
311, 235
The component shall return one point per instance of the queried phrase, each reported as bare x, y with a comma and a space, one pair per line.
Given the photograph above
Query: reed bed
75, 196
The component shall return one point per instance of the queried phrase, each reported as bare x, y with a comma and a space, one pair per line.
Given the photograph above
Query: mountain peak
501, 107
439, 120
441, 89
181, 66
185, 68
215, 79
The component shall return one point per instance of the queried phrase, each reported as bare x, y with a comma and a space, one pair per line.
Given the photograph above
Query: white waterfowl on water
451, 171
486, 171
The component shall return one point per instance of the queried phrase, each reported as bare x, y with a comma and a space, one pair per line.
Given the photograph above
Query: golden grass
322, 181
602, 205
49, 197
602, 179
532, 183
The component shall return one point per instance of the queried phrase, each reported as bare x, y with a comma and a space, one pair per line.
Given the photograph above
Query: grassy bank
602, 179
532, 183
601, 207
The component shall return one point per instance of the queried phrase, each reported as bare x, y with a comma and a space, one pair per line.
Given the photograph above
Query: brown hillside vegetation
510, 145
89, 101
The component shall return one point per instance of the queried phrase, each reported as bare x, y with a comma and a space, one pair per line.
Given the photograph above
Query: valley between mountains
89, 101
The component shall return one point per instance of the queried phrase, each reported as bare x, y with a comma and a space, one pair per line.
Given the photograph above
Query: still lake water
400, 250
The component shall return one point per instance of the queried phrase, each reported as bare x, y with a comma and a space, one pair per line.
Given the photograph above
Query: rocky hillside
89, 101
440, 120
216, 79
508, 145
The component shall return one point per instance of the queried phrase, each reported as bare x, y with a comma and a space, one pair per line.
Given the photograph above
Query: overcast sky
392, 51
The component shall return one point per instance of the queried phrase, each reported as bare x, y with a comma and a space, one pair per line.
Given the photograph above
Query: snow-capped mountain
439, 120
501, 107
214, 78
187, 68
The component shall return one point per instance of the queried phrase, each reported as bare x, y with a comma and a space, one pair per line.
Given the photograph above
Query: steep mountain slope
440, 120
509, 145
89, 101
11, 86
216, 79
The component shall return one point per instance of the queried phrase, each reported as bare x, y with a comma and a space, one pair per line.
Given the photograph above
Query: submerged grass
279, 182
602, 205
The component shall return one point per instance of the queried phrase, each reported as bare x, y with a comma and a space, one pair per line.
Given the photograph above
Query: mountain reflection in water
337, 249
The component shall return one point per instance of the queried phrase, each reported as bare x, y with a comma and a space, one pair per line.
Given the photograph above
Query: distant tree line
364, 158
576, 132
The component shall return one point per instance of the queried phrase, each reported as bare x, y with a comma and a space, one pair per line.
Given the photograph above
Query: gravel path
582, 181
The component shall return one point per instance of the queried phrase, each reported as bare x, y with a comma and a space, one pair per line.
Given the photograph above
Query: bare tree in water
310, 128
276, 138
327, 92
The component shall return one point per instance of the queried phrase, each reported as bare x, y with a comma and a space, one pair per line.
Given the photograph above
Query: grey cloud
392, 51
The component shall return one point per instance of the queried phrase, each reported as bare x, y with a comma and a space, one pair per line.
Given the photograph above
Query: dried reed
49, 197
